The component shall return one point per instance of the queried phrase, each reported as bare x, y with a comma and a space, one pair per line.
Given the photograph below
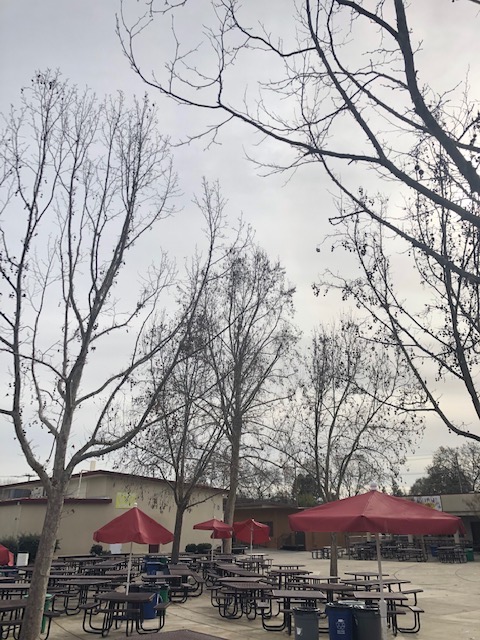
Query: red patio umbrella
133, 526
251, 531
376, 512
6, 556
219, 529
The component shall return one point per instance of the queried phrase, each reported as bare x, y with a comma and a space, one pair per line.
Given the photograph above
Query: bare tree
356, 418
346, 89
179, 444
250, 358
84, 183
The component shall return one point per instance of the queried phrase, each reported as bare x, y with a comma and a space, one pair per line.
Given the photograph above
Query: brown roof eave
10, 501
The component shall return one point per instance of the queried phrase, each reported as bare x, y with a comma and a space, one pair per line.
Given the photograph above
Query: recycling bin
148, 608
434, 550
340, 621
469, 554
367, 624
306, 623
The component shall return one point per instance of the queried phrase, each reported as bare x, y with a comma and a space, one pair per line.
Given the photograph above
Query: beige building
96, 497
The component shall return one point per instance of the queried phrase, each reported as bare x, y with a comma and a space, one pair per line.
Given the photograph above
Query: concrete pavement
450, 598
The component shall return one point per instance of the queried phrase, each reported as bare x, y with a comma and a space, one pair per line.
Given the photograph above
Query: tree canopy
453, 470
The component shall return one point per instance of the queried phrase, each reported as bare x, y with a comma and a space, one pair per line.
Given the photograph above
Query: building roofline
101, 472
11, 501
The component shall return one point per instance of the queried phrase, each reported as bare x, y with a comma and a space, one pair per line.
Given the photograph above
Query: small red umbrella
251, 531
376, 512
219, 529
6, 556
133, 526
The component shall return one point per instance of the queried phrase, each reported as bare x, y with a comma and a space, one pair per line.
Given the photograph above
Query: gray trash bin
368, 624
306, 623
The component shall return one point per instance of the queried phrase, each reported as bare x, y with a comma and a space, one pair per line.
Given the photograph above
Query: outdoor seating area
235, 601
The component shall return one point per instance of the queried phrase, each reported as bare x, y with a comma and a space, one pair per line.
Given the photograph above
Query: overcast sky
290, 218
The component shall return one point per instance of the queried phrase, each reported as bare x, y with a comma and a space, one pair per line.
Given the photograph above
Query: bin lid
302, 610
366, 612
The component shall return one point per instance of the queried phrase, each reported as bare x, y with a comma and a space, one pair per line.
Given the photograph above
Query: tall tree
346, 87
250, 358
356, 419
453, 470
182, 436
83, 182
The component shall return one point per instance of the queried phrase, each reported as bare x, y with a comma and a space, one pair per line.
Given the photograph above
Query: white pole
129, 568
251, 539
382, 605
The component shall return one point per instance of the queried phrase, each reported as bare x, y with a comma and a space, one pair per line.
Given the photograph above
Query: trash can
46, 607
340, 622
469, 554
162, 592
434, 550
148, 608
306, 623
368, 624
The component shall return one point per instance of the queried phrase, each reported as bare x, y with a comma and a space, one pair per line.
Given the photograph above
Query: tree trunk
177, 532
32, 619
334, 555
232, 493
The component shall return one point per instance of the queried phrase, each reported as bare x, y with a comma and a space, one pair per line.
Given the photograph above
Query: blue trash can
148, 608
340, 622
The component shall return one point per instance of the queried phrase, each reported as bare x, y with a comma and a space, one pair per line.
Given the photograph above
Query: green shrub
203, 547
25, 543
191, 548
28, 543
96, 550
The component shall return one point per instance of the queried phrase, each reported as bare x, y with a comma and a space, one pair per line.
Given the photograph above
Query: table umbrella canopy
218, 528
376, 512
133, 526
251, 531
6, 556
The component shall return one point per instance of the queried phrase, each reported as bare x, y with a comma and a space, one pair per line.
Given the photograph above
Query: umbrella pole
129, 568
382, 605
251, 540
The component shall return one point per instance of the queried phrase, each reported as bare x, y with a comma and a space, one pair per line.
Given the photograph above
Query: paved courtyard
451, 600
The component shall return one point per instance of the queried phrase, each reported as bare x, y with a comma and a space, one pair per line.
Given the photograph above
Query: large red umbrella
376, 512
251, 531
133, 526
6, 556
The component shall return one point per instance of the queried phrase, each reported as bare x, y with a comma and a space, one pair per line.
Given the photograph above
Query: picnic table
282, 575
236, 599
179, 634
10, 589
451, 554
411, 553
74, 591
286, 598
119, 608
391, 598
